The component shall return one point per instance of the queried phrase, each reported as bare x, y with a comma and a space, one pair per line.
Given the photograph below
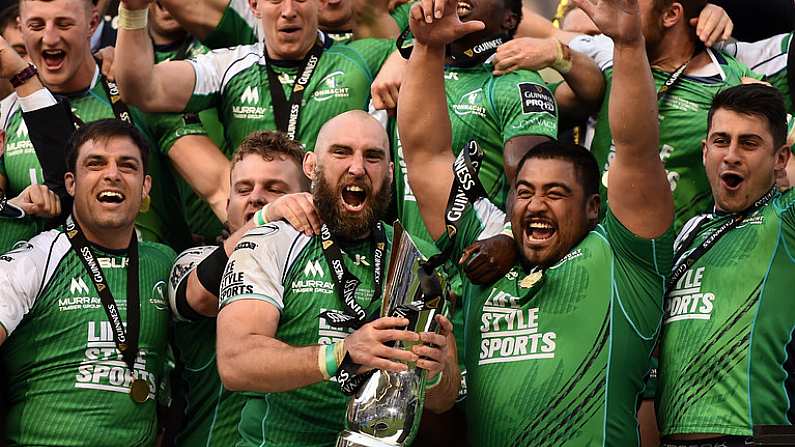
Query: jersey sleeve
185, 264
598, 48
479, 221
238, 26
373, 52
785, 206
213, 70
167, 128
256, 267
525, 106
641, 269
22, 273
767, 57
401, 15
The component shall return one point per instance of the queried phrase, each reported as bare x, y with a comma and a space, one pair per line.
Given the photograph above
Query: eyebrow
546, 186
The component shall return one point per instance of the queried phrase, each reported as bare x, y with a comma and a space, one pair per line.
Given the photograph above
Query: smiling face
290, 27
493, 13
551, 213
57, 35
741, 159
108, 184
257, 181
351, 174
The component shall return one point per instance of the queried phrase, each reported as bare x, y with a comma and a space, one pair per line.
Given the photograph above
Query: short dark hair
8, 16
757, 100
691, 8
585, 165
101, 131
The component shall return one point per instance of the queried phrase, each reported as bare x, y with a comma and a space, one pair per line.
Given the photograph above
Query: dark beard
342, 224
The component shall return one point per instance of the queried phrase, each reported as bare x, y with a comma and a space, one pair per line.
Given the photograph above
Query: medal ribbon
126, 340
288, 114
685, 263
346, 284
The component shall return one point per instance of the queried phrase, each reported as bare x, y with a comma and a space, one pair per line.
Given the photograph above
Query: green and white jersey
491, 110
561, 362
767, 57
212, 413
235, 81
20, 166
283, 267
67, 385
726, 353
683, 123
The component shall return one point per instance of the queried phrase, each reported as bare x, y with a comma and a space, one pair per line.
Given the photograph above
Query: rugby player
66, 67
557, 349
725, 362
279, 281
266, 171
295, 84
84, 318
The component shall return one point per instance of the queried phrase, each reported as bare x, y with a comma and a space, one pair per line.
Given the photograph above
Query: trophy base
352, 439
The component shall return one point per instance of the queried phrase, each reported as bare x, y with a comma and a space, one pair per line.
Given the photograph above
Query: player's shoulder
229, 57
42, 243
159, 254
8, 107
276, 238
598, 47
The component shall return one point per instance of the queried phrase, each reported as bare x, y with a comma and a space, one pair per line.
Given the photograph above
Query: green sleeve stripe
253, 296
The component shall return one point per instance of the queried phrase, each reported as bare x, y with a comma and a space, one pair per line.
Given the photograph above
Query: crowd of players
634, 293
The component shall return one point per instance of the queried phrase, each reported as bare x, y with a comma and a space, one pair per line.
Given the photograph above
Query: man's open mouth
53, 59
539, 230
354, 197
464, 8
731, 180
113, 197
290, 30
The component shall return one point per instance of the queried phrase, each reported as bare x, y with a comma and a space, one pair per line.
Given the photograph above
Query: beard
342, 223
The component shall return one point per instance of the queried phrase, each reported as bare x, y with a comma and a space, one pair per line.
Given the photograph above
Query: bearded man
272, 340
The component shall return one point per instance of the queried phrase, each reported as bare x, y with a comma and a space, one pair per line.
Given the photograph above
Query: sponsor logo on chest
510, 333
103, 367
688, 301
332, 86
470, 103
248, 106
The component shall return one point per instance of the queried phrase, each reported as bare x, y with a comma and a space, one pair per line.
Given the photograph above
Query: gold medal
531, 279
139, 391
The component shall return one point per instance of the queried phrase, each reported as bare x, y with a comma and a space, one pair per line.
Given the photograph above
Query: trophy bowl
386, 410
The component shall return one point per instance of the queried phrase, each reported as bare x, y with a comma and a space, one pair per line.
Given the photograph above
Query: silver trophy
386, 410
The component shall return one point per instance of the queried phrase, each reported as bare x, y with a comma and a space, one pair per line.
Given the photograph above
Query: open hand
617, 19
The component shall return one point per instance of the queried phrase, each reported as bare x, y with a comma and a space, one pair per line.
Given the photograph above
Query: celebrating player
727, 329
556, 350
272, 338
83, 318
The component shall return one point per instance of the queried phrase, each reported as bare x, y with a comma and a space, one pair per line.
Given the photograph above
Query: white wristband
132, 19
37, 100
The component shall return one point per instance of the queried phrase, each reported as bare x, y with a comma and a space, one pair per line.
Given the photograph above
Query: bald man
272, 339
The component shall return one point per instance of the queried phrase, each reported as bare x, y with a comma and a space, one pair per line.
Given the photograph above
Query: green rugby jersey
20, 166
726, 351
767, 57
683, 123
212, 413
67, 383
198, 215
491, 110
235, 81
277, 264
562, 362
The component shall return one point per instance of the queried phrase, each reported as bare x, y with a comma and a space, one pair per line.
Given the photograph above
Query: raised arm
165, 87
639, 194
423, 123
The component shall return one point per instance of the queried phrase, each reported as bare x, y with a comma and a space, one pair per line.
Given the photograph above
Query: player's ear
310, 164
69, 182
